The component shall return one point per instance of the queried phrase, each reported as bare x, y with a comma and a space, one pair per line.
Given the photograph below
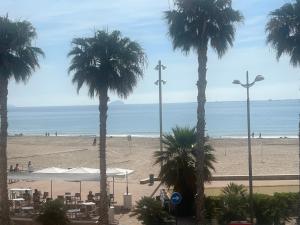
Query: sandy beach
270, 156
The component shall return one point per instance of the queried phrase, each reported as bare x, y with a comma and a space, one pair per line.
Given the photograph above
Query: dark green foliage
274, 209
196, 22
284, 206
150, 212
213, 205
53, 213
107, 61
18, 58
283, 31
262, 205
235, 203
178, 170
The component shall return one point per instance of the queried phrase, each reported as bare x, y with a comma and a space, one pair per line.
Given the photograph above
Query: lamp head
259, 78
236, 82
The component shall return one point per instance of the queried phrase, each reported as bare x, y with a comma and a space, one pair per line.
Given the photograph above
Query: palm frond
107, 60
283, 31
18, 58
178, 158
195, 23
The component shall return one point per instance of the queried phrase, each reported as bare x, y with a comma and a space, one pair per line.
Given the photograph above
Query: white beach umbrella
52, 170
88, 174
49, 173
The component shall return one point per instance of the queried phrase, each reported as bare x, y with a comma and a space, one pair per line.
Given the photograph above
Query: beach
270, 156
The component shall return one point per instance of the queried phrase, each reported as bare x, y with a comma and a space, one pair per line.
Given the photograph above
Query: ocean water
223, 119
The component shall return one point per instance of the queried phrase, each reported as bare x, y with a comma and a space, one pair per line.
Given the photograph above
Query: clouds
58, 21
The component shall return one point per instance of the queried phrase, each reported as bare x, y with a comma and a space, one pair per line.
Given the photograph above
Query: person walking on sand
94, 142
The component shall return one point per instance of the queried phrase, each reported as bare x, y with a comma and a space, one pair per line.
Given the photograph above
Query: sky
57, 22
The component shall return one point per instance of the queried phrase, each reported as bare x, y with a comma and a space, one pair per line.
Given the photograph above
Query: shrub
213, 205
234, 204
150, 212
53, 213
262, 205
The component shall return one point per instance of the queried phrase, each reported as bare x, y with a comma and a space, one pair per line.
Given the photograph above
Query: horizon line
123, 103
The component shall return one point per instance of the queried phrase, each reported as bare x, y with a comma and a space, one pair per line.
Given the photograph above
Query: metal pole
249, 153
80, 190
51, 189
113, 189
160, 105
298, 221
126, 183
159, 82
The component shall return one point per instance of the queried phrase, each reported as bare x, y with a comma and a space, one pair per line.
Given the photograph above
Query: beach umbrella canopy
51, 170
123, 172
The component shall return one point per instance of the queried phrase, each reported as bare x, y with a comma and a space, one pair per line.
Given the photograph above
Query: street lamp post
160, 67
247, 86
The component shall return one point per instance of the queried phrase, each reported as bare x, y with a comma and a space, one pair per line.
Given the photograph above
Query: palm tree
106, 62
18, 59
283, 31
193, 24
178, 164
235, 203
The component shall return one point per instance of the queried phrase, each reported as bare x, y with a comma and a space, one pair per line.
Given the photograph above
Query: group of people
17, 168
47, 134
259, 136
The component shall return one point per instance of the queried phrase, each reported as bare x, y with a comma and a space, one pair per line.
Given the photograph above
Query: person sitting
90, 197
36, 199
27, 197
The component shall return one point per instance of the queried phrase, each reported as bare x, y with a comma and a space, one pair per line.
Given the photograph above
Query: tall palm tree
106, 62
193, 24
18, 59
178, 164
283, 31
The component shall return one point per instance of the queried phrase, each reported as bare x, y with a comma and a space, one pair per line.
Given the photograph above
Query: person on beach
36, 199
17, 169
252, 134
29, 167
94, 142
11, 169
259, 135
90, 197
27, 197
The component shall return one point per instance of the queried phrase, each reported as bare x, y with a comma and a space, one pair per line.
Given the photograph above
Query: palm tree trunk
103, 99
201, 85
4, 206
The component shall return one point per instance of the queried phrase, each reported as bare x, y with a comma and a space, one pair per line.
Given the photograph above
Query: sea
272, 119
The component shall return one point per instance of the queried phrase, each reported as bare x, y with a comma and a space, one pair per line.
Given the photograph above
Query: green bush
262, 206
274, 209
235, 205
150, 212
53, 213
213, 205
